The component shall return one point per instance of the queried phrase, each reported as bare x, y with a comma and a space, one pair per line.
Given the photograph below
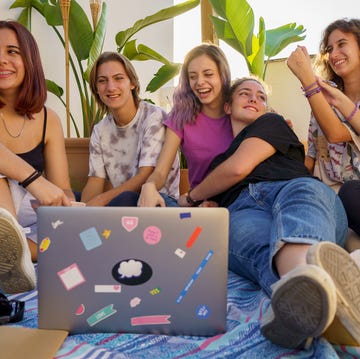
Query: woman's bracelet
192, 202
307, 88
351, 116
311, 92
36, 174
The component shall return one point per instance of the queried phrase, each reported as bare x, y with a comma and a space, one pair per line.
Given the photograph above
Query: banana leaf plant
87, 44
234, 24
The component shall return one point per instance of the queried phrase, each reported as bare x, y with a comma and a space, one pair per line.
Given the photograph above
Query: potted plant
86, 38
87, 41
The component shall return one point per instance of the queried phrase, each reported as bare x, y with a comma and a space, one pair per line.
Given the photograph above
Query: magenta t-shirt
201, 142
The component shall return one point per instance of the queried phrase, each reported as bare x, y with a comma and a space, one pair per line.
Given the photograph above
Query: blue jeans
267, 215
130, 199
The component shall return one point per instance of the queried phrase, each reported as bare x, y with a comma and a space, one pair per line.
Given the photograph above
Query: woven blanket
245, 307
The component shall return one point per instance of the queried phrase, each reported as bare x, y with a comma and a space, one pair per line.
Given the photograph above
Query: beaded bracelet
36, 174
307, 88
314, 91
352, 113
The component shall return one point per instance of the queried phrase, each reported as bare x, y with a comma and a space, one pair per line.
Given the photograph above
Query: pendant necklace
7, 130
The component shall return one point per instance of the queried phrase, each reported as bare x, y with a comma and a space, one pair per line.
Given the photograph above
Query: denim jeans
130, 199
267, 215
349, 194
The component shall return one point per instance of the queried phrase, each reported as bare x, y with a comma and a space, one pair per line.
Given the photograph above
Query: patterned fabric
246, 305
116, 153
335, 162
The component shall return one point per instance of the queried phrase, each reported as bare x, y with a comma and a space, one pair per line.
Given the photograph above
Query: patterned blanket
246, 305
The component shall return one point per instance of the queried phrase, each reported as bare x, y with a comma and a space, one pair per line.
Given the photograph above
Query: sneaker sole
16, 274
346, 277
302, 307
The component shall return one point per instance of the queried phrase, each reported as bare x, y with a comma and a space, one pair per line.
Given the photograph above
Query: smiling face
12, 69
344, 53
205, 81
114, 86
248, 102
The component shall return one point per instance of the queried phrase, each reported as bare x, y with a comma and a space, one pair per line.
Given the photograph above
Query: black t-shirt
285, 164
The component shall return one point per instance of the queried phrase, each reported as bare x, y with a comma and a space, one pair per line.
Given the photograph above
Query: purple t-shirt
201, 142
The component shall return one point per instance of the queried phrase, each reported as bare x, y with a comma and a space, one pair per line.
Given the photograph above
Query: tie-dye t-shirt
337, 162
116, 153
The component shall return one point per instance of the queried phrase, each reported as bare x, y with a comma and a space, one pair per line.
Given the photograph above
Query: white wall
120, 15
287, 97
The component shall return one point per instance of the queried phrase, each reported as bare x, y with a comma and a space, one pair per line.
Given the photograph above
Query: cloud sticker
131, 271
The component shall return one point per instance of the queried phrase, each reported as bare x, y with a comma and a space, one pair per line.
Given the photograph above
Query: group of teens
288, 226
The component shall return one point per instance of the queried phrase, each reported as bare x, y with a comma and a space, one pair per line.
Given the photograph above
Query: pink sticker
129, 223
71, 276
80, 310
152, 235
151, 320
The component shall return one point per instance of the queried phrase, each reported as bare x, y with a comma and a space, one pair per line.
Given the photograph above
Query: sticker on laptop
101, 314
152, 235
151, 320
129, 223
203, 311
134, 302
131, 272
71, 276
106, 233
44, 245
80, 310
90, 238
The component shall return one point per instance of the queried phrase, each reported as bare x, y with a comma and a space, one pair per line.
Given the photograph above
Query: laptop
132, 269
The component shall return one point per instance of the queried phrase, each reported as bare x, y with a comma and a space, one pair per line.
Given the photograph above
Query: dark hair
186, 105
130, 71
33, 92
345, 25
237, 82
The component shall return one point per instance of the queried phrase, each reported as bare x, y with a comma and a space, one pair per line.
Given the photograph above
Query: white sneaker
17, 273
303, 305
345, 273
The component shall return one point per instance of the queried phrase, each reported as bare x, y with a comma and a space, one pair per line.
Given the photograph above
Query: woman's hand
182, 202
150, 196
332, 94
299, 63
47, 193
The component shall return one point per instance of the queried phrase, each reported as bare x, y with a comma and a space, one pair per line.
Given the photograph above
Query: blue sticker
185, 215
203, 311
90, 238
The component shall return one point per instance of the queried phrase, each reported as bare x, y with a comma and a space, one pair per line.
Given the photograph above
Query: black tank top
35, 157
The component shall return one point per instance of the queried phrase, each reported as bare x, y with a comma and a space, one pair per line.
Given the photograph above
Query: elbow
335, 138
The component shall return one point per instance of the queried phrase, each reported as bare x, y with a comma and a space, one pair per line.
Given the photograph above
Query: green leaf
54, 88
81, 34
164, 74
123, 37
98, 43
240, 18
225, 33
257, 58
142, 53
277, 39
25, 18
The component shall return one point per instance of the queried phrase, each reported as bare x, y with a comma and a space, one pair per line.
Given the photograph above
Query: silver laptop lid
130, 269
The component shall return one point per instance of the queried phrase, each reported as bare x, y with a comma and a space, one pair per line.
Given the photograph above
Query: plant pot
184, 185
77, 151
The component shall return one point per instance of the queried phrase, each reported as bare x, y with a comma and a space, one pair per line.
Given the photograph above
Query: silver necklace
7, 130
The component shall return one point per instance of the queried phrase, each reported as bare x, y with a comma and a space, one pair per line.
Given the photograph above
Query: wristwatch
190, 201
